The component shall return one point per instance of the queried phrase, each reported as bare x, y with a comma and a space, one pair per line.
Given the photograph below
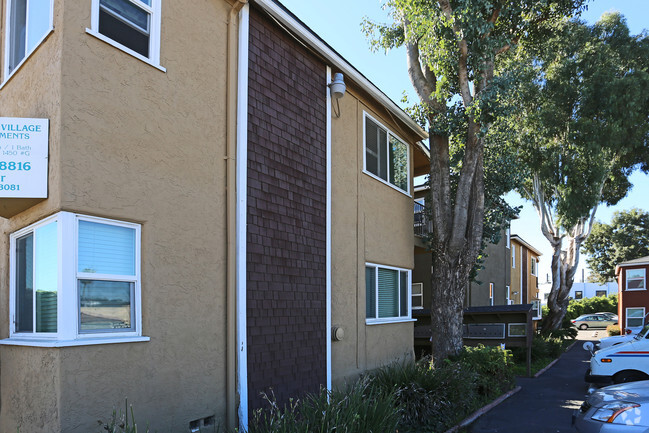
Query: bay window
388, 294
75, 279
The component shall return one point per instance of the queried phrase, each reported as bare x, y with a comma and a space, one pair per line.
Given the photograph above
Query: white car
625, 362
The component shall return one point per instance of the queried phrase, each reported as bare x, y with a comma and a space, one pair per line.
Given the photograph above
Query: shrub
119, 422
598, 304
613, 330
434, 399
359, 409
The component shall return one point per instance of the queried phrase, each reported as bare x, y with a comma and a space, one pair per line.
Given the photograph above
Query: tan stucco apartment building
524, 288
191, 215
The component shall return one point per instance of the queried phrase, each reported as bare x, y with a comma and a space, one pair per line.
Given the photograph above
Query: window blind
106, 249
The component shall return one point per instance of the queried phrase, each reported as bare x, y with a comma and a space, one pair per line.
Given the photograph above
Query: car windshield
642, 333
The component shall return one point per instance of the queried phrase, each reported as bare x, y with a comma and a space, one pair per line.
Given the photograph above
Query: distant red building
632, 290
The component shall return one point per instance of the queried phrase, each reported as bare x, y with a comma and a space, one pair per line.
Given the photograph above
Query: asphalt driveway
544, 404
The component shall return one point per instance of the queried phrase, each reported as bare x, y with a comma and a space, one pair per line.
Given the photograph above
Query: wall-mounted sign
24, 152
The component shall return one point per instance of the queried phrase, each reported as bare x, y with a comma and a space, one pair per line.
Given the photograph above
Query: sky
338, 22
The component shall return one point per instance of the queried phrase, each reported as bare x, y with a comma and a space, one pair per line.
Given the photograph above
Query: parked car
594, 320
609, 315
626, 362
615, 409
630, 333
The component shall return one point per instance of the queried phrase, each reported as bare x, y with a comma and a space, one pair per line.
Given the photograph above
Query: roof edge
284, 16
525, 244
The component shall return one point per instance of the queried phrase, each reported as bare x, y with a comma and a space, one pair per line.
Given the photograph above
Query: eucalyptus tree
452, 50
580, 127
625, 238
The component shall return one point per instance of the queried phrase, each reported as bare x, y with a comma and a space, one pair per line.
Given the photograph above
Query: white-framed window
635, 279
508, 300
634, 317
387, 294
513, 256
536, 309
417, 296
75, 279
508, 234
387, 157
517, 329
534, 266
491, 293
27, 24
130, 25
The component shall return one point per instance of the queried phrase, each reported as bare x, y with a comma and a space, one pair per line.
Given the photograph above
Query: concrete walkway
544, 404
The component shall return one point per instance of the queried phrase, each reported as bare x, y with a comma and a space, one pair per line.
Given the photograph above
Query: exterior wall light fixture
337, 88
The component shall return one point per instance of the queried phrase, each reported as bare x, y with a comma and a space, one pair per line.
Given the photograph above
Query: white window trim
154, 34
491, 294
508, 233
534, 266
508, 300
626, 315
540, 309
68, 333
389, 133
401, 319
509, 332
626, 279
421, 294
5, 70
513, 253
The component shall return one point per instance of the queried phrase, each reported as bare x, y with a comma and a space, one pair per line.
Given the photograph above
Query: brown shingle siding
286, 235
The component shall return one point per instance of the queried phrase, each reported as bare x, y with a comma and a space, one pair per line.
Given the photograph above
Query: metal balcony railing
422, 224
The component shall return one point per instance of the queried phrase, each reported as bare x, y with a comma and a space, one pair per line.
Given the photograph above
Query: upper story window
635, 279
386, 156
534, 266
513, 256
417, 296
28, 23
388, 294
131, 25
75, 279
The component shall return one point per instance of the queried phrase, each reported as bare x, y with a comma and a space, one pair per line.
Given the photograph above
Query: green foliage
578, 113
404, 397
545, 349
359, 409
598, 304
434, 399
119, 421
613, 330
625, 238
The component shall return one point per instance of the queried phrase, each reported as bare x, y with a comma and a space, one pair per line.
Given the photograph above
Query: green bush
359, 409
434, 399
120, 423
598, 304
613, 330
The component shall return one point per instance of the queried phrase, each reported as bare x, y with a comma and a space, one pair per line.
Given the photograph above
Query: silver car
620, 408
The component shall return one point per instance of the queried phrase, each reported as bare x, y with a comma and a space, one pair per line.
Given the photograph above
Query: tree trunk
448, 292
457, 233
565, 267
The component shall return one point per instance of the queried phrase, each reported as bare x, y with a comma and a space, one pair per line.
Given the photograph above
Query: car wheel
583, 326
629, 376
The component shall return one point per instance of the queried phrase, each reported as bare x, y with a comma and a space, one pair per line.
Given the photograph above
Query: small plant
359, 409
613, 330
119, 422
